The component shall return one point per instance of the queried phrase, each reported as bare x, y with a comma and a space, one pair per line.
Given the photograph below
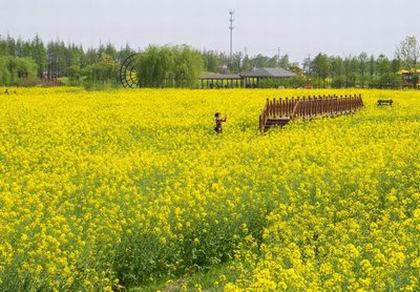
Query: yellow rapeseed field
111, 189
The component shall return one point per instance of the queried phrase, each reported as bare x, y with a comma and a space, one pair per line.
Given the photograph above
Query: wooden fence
280, 112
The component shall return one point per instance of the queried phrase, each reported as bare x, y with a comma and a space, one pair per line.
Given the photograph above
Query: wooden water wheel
128, 73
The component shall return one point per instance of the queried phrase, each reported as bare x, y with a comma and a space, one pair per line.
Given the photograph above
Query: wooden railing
281, 111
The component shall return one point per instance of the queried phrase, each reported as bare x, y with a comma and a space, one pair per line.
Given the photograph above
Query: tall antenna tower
231, 27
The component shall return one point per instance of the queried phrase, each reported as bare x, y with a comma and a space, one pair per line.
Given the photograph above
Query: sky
296, 27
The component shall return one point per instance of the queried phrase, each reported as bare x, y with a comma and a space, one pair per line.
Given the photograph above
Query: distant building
250, 79
409, 76
253, 78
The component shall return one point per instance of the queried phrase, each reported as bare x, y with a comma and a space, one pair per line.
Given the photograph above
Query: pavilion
409, 76
250, 79
253, 78
220, 81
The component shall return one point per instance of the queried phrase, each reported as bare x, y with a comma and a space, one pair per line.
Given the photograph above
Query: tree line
28, 61
364, 70
352, 71
331, 71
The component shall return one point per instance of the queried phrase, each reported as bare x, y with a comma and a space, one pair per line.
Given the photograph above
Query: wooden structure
385, 102
250, 79
129, 79
280, 112
50, 80
128, 74
253, 79
221, 81
411, 77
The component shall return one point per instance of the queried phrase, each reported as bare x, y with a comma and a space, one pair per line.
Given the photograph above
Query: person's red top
219, 121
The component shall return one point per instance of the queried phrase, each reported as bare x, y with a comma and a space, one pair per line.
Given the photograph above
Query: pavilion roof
415, 71
221, 76
268, 72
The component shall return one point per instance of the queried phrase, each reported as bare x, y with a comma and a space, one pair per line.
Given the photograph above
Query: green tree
320, 67
11, 47
283, 62
75, 75
337, 72
123, 53
247, 64
168, 66
350, 71
155, 67
409, 52
14, 70
4, 50
5, 76
383, 65
211, 61
385, 76
188, 66
103, 73
395, 65
235, 63
39, 54
363, 62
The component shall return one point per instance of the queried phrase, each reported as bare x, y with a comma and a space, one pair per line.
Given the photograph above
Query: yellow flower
103, 188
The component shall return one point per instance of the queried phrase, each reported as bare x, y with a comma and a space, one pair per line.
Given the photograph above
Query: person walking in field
219, 121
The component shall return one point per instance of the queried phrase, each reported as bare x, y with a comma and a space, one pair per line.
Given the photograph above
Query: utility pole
231, 27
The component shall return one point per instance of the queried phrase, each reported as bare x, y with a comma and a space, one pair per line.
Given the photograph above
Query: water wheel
128, 74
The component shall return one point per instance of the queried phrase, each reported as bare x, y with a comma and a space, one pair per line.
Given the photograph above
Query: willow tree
14, 70
169, 66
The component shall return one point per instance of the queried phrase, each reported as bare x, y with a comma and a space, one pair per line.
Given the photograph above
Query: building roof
406, 72
268, 72
260, 72
221, 76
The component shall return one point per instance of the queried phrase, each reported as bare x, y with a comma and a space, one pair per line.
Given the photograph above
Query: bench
385, 102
